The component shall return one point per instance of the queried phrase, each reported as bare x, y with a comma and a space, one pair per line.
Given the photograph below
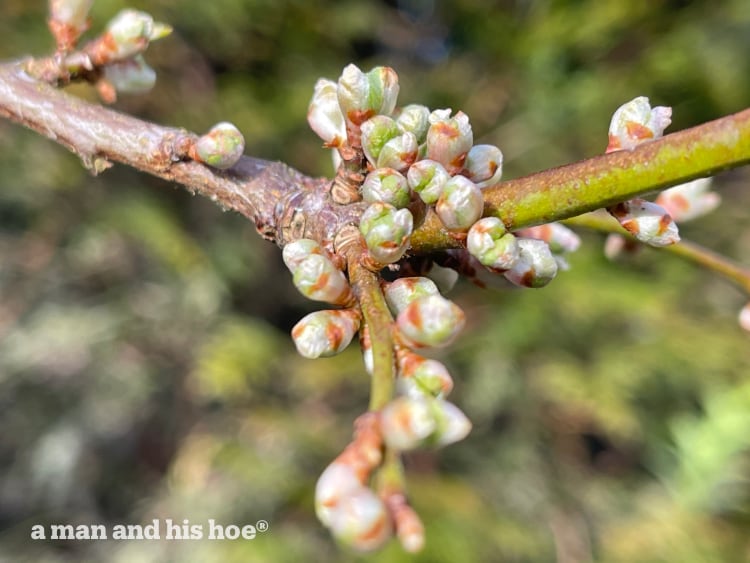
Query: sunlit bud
484, 165
324, 114
386, 185
403, 291
296, 251
220, 148
376, 132
361, 520
336, 482
427, 178
744, 317
690, 200
409, 527
646, 221
559, 237
449, 139
318, 279
460, 205
414, 119
386, 231
68, 19
536, 266
325, 333
490, 243
636, 122
399, 153
451, 424
363, 95
423, 376
407, 422
131, 76
430, 321
130, 32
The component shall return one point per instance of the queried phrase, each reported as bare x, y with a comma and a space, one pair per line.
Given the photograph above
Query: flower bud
221, 147
635, 122
131, 76
616, 245
452, 425
646, 221
414, 119
130, 32
325, 333
403, 291
490, 243
363, 95
376, 132
409, 527
407, 422
427, 178
690, 200
420, 376
361, 520
449, 139
535, 267
430, 321
318, 279
296, 251
484, 165
337, 481
460, 205
388, 186
386, 231
399, 153
559, 237
324, 114
68, 19
744, 317
444, 278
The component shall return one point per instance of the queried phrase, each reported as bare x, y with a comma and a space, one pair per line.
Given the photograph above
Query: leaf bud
220, 148
399, 153
490, 243
535, 267
419, 376
449, 139
636, 122
318, 279
325, 333
130, 33
427, 178
386, 231
414, 119
130, 76
688, 201
388, 186
430, 321
376, 132
362, 96
361, 520
646, 221
484, 165
401, 292
460, 205
324, 114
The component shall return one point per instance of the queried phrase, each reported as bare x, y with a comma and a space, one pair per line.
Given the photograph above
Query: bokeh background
145, 365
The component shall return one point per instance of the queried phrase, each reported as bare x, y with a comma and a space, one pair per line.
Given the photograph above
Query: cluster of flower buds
220, 148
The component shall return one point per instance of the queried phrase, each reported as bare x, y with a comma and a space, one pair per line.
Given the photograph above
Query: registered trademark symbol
261, 525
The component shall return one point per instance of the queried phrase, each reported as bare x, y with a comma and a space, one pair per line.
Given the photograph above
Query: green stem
690, 251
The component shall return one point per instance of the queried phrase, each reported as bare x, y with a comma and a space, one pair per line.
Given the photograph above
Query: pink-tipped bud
336, 482
490, 243
363, 95
535, 267
421, 376
636, 122
386, 231
449, 139
430, 321
361, 520
324, 114
399, 153
484, 165
744, 317
403, 291
325, 333
559, 237
646, 221
688, 201
317, 278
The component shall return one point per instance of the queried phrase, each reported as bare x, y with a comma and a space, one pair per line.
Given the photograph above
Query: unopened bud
325, 333
386, 231
421, 376
376, 132
535, 267
131, 76
388, 186
68, 19
361, 520
324, 114
484, 165
414, 119
399, 153
430, 321
688, 201
452, 425
490, 243
449, 139
337, 481
220, 148
407, 422
646, 221
559, 237
460, 205
409, 527
362, 96
130, 32
636, 122
444, 278
295, 252
403, 291
744, 317
427, 178
318, 279
616, 245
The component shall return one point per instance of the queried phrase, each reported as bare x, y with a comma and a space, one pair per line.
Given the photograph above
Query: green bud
318, 279
386, 185
296, 251
427, 178
362, 96
325, 333
490, 243
386, 231
399, 153
449, 139
430, 321
414, 119
484, 165
324, 114
403, 291
131, 76
221, 147
535, 267
131, 31
376, 132
460, 205
420, 376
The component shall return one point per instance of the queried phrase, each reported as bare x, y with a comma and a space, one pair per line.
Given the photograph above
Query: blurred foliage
145, 365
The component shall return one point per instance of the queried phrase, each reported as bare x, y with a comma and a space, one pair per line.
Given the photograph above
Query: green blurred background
145, 365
